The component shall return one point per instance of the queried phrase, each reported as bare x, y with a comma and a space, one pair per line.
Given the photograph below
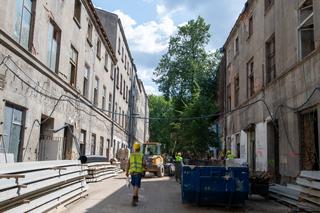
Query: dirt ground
158, 195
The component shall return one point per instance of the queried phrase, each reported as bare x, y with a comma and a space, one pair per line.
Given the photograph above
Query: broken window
236, 91
306, 28
268, 4
53, 46
110, 104
250, 83
270, 59
98, 49
77, 11
13, 131
89, 33
22, 28
86, 81
96, 91
73, 66
228, 97
104, 98
83, 135
101, 145
93, 144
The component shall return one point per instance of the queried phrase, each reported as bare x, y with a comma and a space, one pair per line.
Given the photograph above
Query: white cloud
149, 37
161, 9
145, 74
151, 90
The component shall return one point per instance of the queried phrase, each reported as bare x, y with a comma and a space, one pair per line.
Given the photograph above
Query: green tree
161, 114
186, 75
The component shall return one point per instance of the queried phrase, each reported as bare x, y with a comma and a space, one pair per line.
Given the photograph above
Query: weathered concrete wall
295, 79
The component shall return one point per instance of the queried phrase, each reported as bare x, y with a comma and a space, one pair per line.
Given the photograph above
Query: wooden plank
309, 183
314, 200
12, 193
311, 192
295, 187
46, 202
11, 176
311, 174
35, 165
37, 176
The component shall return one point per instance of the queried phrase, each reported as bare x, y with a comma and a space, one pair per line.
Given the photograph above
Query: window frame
85, 91
77, 20
250, 78
90, 33
98, 51
271, 70
56, 30
75, 64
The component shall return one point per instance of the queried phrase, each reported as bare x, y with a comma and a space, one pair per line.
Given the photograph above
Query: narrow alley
158, 195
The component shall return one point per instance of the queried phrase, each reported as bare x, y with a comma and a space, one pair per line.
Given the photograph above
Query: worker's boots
134, 200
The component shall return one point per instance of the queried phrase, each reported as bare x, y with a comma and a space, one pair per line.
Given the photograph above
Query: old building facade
270, 85
61, 89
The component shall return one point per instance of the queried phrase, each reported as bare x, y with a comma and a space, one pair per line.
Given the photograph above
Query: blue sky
148, 24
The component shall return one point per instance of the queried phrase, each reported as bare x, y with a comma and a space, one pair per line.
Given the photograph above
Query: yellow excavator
153, 158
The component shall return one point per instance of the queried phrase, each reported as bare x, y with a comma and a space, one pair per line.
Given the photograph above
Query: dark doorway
310, 144
46, 139
67, 142
251, 144
273, 150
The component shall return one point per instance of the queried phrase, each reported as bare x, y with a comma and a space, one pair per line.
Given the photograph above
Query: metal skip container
215, 185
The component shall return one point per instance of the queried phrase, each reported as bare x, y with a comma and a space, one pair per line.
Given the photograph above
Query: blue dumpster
214, 185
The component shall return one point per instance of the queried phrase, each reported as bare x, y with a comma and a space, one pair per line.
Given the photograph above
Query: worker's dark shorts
136, 180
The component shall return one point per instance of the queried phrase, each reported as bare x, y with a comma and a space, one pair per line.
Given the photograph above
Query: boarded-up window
110, 105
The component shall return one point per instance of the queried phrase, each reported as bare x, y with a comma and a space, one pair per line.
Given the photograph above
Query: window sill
77, 22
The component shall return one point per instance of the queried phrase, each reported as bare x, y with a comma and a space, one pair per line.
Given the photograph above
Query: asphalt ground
157, 195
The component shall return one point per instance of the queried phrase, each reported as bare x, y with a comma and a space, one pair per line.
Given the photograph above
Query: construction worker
135, 168
230, 156
179, 160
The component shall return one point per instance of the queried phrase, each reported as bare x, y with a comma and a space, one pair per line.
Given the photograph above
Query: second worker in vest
135, 168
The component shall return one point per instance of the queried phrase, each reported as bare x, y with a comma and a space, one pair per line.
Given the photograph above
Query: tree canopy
186, 75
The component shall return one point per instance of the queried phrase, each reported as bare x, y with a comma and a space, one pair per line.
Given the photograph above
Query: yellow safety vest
136, 163
179, 158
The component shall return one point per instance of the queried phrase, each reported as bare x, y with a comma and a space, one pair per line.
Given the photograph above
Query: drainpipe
131, 109
113, 110
145, 119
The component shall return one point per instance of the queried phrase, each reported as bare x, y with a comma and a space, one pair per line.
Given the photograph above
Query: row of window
307, 45
124, 57
22, 28
108, 146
